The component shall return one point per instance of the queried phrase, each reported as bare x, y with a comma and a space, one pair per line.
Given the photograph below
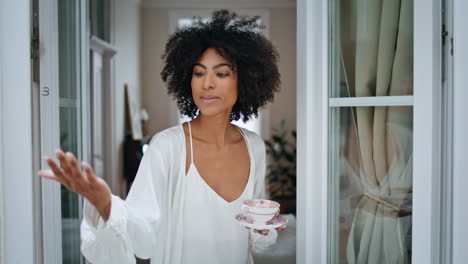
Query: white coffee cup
260, 210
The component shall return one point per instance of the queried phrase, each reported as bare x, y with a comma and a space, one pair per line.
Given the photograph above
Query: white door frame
16, 157
49, 120
107, 51
48, 127
460, 139
312, 112
426, 140
111, 144
312, 126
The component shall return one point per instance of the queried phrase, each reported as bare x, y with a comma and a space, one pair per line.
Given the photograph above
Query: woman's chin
212, 113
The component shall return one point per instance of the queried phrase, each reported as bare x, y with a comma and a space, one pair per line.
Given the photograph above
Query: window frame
313, 108
460, 141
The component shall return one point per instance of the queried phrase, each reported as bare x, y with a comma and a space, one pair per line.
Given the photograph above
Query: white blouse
154, 222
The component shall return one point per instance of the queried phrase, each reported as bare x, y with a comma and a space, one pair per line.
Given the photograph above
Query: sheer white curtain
378, 61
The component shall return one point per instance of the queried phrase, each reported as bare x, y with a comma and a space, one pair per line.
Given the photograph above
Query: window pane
99, 18
373, 50
370, 184
69, 46
70, 124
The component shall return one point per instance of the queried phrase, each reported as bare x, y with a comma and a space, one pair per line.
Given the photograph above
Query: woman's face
214, 84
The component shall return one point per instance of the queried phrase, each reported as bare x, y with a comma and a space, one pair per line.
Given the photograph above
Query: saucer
247, 221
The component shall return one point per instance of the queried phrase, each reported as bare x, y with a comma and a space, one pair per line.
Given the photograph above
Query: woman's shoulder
167, 139
255, 140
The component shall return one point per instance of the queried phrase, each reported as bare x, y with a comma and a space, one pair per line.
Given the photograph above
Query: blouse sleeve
259, 242
133, 224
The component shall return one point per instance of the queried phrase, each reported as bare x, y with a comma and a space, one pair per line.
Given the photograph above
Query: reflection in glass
70, 137
99, 18
372, 169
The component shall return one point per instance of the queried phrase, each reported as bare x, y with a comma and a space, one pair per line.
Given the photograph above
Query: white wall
155, 32
127, 70
16, 175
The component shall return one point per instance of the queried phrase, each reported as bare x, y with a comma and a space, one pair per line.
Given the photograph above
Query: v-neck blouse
155, 222
192, 166
209, 224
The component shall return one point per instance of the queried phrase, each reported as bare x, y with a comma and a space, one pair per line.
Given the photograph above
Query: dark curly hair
237, 39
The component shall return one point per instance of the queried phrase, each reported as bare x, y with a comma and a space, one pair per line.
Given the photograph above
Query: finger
59, 173
89, 172
280, 229
63, 163
262, 232
75, 169
49, 174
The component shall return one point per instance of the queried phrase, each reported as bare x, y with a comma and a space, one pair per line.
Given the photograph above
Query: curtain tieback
382, 201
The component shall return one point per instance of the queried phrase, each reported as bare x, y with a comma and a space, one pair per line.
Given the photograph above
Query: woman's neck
216, 130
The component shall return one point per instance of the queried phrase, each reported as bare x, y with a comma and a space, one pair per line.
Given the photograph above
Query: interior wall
283, 36
155, 32
127, 71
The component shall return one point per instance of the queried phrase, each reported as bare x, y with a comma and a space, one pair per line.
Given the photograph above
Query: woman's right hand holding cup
84, 183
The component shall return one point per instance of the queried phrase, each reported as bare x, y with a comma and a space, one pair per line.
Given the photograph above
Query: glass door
70, 104
369, 164
370, 131
63, 122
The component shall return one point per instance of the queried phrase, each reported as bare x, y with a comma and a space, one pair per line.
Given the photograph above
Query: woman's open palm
84, 183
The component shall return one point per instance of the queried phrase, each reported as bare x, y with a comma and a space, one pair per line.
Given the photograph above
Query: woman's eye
222, 75
198, 74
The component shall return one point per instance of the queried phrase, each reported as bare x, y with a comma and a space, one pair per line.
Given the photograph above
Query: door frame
107, 51
427, 130
16, 156
48, 98
47, 128
312, 125
460, 141
312, 130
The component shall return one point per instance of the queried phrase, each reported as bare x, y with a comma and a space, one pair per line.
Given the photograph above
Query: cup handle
244, 209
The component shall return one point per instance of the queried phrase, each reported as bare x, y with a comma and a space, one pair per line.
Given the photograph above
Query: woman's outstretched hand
86, 184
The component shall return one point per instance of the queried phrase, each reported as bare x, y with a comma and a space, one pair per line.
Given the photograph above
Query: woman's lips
208, 99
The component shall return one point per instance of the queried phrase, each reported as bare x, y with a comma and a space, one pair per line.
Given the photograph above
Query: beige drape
377, 50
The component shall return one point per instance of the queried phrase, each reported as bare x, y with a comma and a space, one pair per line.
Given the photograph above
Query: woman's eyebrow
214, 67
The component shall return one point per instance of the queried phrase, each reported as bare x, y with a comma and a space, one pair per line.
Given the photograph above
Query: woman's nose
208, 82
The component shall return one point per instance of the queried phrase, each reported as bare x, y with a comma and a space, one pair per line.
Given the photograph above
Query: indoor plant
281, 168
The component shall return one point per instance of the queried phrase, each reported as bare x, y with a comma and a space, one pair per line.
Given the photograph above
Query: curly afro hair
238, 40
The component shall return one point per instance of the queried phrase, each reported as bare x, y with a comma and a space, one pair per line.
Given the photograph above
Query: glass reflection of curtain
377, 53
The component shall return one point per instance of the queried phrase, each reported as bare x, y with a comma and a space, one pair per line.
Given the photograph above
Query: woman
193, 177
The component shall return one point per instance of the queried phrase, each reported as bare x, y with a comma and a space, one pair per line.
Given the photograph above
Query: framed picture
133, 114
